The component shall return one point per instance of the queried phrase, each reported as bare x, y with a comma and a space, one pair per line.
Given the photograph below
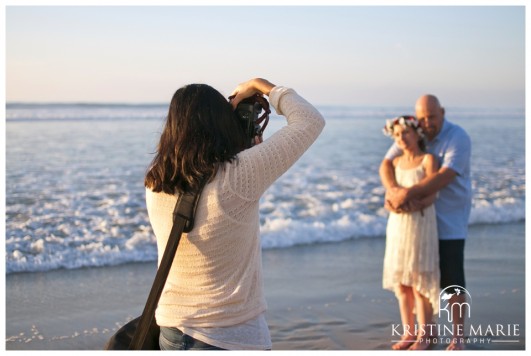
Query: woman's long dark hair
201, 132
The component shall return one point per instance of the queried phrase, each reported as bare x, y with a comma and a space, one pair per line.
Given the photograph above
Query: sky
470, 56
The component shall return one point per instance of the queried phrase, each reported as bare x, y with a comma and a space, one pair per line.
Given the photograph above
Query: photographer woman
214, 298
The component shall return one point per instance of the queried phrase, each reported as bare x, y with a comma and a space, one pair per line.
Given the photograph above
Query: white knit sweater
216, 277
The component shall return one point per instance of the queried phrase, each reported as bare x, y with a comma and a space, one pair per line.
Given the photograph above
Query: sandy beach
320, 297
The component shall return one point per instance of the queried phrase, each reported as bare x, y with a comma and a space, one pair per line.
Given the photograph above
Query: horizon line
122, 103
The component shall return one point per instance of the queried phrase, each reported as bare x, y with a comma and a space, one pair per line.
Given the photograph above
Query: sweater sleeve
258, 167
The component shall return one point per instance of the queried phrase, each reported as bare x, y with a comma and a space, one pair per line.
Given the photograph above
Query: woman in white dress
411, 263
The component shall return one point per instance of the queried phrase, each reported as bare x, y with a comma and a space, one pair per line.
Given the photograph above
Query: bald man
451, 145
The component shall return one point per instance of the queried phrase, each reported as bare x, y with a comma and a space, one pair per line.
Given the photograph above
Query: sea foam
75, 195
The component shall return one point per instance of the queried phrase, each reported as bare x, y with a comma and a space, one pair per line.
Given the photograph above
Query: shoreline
320, 297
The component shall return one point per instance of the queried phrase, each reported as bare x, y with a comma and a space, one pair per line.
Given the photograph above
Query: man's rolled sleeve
393, 152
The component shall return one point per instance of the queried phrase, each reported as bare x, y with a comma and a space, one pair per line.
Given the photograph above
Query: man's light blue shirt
452, 148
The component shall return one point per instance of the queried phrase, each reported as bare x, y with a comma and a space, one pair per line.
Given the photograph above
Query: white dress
412, 245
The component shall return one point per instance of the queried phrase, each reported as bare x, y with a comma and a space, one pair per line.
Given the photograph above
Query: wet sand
320, 297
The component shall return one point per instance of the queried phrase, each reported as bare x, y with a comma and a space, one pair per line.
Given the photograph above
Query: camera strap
265, 116
264, 104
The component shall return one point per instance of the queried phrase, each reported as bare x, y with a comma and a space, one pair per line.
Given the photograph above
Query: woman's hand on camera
258, 140
250, 88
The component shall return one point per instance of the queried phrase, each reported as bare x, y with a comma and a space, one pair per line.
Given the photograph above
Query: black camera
248, 111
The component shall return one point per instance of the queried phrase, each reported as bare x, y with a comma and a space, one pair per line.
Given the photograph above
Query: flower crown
403, 121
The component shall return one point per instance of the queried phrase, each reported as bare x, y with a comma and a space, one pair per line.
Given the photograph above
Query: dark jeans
451, 262
174, 339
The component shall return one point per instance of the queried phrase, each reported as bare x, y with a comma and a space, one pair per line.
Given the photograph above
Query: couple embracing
426, 174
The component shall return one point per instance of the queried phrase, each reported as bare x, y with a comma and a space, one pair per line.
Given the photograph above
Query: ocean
75, 196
